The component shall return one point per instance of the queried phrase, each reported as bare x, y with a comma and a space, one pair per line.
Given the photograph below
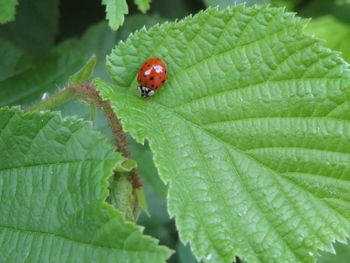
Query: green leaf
7, 10
35, 27
290, 4
53, 183
225, 3
250, 132
336, 33
122, 197
126, 166
141, 199
115, 11
143, 5
85, 72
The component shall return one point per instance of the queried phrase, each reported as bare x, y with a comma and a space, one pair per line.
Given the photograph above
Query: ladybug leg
142, 91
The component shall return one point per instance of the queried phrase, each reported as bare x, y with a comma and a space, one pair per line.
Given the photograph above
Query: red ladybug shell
152, 74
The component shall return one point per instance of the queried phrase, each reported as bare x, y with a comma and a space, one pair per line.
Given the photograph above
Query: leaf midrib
292, 251
250, 86
24, 166
259, 163
255, 149
55, 235
202, 128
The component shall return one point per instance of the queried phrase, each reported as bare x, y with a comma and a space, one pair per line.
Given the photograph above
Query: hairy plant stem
88, 93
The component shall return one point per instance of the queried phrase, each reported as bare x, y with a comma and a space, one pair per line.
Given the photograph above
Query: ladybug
152, 76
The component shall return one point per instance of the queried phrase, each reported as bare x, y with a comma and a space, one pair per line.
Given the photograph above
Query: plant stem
54, 101
88, 93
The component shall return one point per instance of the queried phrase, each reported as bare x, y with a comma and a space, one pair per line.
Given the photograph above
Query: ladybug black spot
152, 86
151, 78
163, 81
148, 65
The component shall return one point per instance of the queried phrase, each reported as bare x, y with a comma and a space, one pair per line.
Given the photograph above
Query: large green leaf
53, 184
251, 132
35, 27
7, 10
115, 11
336, 33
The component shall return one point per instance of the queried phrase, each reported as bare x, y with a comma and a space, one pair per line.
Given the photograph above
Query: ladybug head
146, 92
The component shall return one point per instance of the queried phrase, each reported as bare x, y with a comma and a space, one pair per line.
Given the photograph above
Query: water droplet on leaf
44, 96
